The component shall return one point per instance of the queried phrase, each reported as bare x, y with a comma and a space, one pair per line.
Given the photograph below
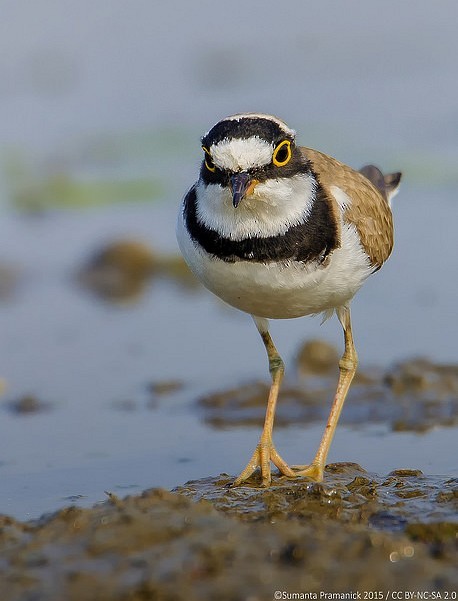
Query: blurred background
105, 340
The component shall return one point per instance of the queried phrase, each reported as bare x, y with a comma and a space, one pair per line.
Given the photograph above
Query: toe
313, 471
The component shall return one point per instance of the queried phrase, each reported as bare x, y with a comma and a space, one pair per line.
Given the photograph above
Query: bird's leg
265, 451
347, 369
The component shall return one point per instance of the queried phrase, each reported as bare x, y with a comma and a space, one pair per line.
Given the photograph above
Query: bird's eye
282, 154
209, 164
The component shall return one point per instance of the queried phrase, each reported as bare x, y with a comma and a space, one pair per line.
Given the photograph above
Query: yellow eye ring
282, 154
209, 164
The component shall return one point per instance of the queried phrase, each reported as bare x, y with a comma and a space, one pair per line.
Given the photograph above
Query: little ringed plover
282, 231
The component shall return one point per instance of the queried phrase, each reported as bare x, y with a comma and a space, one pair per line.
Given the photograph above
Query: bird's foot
264, 454
314, 471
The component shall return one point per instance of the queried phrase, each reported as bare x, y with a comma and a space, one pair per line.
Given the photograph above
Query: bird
281, 231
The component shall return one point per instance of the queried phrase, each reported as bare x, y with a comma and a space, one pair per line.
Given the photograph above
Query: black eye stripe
296, 164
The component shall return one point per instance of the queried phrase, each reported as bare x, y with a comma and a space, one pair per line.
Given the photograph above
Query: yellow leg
265, 451
347, 369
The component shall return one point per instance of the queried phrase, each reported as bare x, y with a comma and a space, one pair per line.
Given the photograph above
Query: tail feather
387, 184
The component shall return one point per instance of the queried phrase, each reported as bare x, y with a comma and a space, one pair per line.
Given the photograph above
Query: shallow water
92, 362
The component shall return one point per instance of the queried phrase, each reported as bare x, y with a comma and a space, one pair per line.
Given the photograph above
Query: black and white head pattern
285, 216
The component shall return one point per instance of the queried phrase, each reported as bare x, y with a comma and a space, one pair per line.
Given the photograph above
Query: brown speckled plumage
369, 210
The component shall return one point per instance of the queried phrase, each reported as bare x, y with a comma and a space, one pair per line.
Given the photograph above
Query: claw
264, 454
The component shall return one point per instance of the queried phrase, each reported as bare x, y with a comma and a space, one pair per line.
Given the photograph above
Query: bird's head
246, 150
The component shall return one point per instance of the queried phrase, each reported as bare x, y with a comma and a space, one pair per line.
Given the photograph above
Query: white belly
281, 291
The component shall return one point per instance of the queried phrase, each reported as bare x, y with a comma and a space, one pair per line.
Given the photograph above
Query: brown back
369, 209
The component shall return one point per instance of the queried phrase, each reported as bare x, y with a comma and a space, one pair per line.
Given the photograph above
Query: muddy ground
206, 540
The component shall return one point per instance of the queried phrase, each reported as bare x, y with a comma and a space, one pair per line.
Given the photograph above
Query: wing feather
368, 208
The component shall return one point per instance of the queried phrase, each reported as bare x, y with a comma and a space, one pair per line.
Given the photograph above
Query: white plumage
281, 290
274, 206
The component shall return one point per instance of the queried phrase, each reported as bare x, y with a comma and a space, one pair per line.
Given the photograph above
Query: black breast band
310, 240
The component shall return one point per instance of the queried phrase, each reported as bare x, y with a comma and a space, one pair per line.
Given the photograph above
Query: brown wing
369, 210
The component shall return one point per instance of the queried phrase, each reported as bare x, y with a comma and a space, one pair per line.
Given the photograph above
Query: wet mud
414, 395
206, 540
27, 404
120, 271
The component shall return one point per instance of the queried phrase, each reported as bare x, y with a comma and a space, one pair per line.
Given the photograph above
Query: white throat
271, 210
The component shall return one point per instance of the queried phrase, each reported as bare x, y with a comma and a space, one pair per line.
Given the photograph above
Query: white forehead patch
240, 154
